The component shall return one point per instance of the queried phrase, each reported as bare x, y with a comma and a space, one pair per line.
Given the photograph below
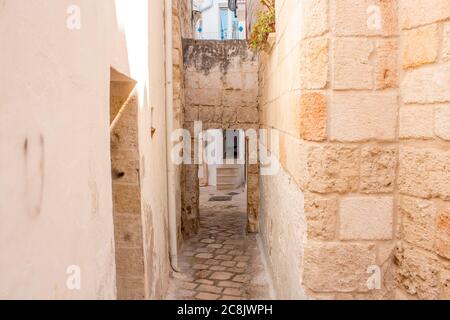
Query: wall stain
34, 167
204, 55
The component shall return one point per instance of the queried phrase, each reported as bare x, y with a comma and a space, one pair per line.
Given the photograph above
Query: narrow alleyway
222, 261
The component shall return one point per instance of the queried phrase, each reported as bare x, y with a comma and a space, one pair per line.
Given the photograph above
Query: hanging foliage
263, 26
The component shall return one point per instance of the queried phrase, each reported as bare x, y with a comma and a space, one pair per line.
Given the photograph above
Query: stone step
226, 179
226, 186
227, 171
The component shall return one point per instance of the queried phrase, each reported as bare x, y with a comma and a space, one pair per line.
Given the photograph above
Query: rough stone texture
127, 198
442, 121
427, 85
414, 13
321, 214
443, 234
420, 46
445, 284
424, 172
338, 267
211, 262
313, 117
283, 228
315, 18
416, 122
418, 222
366, 218
363, 63
386, 69
314, 63
378, 165
352, 68
362, 116
417, 272
332, 168
353, 18
446, 42
190, 213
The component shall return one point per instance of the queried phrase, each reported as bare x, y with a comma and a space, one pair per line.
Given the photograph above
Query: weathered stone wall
182, 29
222, 92
365, 139
328, 86
423, 255
127, 213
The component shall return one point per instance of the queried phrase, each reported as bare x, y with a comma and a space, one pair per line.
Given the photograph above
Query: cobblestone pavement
222, 261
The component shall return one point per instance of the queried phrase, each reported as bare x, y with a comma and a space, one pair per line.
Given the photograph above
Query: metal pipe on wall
171, 194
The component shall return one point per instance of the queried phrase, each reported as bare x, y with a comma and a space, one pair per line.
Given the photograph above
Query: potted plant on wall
264, 26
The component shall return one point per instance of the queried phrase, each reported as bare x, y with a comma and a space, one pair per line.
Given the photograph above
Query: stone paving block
226, 265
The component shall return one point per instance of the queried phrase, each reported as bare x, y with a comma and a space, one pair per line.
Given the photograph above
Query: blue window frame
223, 23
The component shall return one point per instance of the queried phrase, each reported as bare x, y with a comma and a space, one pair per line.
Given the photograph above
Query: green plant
263, 26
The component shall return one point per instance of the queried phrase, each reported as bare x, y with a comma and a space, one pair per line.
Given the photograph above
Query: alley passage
222, 261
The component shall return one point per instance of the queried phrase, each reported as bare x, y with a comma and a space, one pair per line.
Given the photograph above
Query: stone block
321, 215
443, 234
125, 166
417, 272
313, 117
332, 168
191, 113
127, 230
205, 97
337, 267
366, 218
365, 17
229, 115
212, 80
314, 18
130, 288
416, 122
427, 85
424, 172
414, 13
126, 198
386, 70
314, 63
130, 262
351, 65
442, 121
378, 165
418, 222
446, 43
445, 284
363, 116
239, 98
248, 115
420, 46
210, 114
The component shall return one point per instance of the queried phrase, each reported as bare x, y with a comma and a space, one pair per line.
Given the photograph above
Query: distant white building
216, 22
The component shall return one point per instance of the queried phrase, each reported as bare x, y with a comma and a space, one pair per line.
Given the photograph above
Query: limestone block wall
182, 28
126, 190
221, 87
328, 85
423, 255
358, 91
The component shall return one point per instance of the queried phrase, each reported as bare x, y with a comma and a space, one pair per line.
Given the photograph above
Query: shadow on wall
126, 191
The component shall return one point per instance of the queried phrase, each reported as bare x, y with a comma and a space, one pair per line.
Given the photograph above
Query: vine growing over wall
263, 26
